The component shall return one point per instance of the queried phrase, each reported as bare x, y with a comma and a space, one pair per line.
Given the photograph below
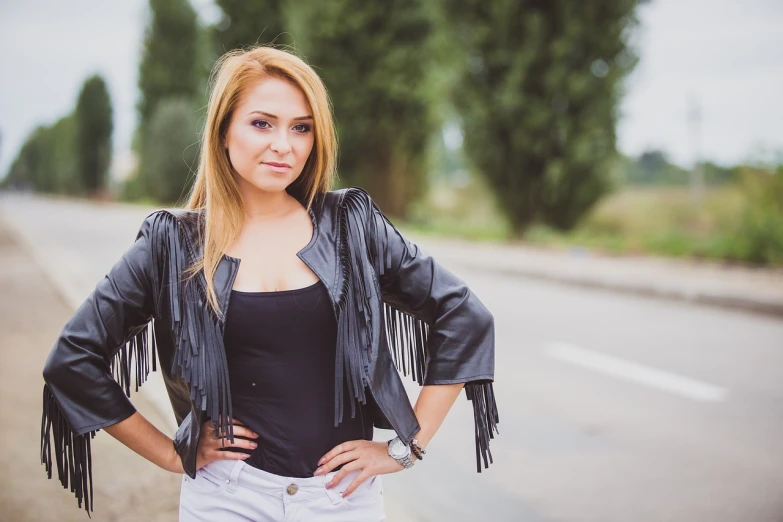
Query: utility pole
697, 174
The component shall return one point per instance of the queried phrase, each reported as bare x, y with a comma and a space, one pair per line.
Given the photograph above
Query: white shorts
233, 491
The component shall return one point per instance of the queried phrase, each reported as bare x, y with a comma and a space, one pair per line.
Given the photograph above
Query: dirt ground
127, 487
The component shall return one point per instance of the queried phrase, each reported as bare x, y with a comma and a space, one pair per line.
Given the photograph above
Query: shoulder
160, 224
350, 199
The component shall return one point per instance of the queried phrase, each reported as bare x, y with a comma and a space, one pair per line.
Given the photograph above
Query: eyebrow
272, 116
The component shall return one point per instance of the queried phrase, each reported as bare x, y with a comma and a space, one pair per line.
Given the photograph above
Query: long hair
215, 191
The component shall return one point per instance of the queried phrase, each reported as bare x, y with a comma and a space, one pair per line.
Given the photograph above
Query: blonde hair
215, 191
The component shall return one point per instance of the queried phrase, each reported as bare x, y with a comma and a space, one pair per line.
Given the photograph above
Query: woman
280, 312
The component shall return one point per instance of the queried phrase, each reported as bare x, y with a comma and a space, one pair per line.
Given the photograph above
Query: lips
280, 168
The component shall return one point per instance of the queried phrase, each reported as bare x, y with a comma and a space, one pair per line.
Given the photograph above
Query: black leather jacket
396, 309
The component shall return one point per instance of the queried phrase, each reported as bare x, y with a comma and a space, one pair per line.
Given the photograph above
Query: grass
466, 212
633, 221
660, 220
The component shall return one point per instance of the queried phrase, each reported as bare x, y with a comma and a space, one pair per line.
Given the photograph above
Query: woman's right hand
210, 444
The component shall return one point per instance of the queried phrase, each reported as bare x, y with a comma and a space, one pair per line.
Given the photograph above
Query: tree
170, 64
537, 89
46, 162
653, 167
94, 126
25, 169
376, 60
169, 151
651, 162
249, 23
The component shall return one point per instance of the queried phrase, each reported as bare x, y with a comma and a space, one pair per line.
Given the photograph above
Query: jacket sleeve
434, 322
87, 374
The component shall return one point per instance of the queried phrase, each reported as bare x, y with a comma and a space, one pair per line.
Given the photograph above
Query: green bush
759, 235
169, 153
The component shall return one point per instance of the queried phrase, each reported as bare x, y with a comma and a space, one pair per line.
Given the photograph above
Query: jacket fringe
72, 453
200, 358
407, 339
136, 348
485, 417
354, 338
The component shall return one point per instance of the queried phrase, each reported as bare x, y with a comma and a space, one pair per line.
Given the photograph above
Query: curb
733, 302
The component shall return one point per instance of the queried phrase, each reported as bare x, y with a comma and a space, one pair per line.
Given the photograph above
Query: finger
340, 475
361, 477
240, 443
206, 455
226, 443
239, 429
336, 461
236, 422
341, 448
230, 455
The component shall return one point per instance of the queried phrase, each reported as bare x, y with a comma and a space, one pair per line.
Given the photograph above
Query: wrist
397, 450
417, 449
174, 461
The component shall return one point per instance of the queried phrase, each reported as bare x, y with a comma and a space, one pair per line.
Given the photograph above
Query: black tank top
281, 349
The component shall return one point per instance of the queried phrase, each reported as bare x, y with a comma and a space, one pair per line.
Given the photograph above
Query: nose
280, 144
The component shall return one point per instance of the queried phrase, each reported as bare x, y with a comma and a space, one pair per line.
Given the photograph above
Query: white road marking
639, 373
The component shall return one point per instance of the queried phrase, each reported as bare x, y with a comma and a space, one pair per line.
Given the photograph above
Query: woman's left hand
372, 458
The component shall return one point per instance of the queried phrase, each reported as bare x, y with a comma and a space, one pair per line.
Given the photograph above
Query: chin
268, 183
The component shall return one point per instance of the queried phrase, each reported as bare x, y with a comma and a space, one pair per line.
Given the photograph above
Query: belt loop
233, 481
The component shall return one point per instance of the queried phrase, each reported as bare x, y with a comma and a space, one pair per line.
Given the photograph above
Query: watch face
397, 449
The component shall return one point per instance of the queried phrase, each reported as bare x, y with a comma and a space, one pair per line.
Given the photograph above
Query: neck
261, 205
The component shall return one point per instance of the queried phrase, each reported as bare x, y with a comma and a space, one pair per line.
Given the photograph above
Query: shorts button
292, 489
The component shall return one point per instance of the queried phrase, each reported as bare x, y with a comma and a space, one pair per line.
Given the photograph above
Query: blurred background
607, 176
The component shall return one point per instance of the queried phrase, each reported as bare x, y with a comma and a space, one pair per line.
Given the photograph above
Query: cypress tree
537, 89
376, 60
170, 64
93, 118
249, 23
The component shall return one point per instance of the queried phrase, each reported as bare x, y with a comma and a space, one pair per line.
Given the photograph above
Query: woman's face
270, 136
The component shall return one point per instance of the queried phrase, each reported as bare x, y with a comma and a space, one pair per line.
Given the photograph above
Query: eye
302, 127
261, 124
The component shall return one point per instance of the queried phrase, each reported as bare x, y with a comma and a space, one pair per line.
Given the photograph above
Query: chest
268, 256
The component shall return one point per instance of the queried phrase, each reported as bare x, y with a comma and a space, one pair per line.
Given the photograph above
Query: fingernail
317, 472
245, 456
321, 461
254, 445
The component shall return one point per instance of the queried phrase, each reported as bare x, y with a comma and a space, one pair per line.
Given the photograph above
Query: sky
722, 59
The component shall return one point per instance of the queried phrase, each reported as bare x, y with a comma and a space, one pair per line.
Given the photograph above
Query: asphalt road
613, 407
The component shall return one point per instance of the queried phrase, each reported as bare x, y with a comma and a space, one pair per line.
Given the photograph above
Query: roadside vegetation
739, 220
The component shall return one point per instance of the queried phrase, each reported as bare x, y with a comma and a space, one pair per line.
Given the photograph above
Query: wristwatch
401, 453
